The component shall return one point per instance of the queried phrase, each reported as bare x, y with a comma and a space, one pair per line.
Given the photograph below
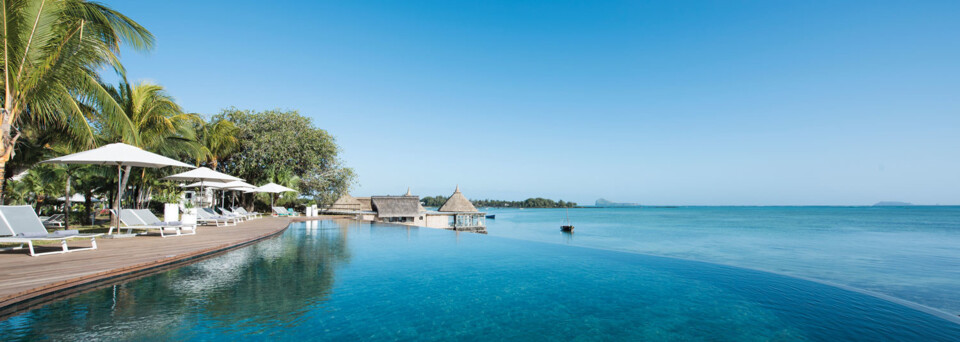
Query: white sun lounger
55, 221
227, 213
281, 211
204, 216
20, 224
133, 219
242, 211
150, 219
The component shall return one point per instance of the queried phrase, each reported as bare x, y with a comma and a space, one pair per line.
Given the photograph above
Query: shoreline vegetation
538, 202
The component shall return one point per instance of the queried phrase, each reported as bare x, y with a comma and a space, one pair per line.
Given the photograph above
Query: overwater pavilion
457, 213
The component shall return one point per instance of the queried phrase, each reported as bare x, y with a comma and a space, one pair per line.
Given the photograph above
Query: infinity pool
330, 280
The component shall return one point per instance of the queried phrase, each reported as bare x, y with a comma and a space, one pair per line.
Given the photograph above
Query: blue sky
666, 102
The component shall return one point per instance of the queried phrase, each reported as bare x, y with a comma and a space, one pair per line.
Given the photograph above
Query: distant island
892, 204
605, 203
538, 202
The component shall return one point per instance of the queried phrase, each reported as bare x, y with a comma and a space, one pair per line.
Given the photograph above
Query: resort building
398, 209
346, 203
457, 213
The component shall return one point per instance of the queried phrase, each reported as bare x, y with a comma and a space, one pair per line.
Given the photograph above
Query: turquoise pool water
337, 281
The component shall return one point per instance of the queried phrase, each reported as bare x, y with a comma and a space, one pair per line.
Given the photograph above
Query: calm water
336, 281
912, 253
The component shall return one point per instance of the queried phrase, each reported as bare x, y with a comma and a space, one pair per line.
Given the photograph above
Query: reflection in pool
352, 281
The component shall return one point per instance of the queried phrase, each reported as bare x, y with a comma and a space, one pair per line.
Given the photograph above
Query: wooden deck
26, 280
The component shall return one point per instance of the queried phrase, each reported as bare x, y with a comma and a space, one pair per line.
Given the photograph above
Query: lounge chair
281, 211
244, 212
133, 219
245, 216
54, 221
20, 224
149, 218
228, 213
204, 216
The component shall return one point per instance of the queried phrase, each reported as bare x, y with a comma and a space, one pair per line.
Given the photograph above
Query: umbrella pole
119, 193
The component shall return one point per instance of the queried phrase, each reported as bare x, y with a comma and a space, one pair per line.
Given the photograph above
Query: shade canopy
77, 198
214, 185
274, 188
237, 185
202, 174
118, 154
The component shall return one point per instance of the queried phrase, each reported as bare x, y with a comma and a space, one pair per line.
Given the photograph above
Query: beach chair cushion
32, 235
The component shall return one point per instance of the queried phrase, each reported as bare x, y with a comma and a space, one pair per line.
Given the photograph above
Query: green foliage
538, 202
218, 139
434, 201
169, 194
52, 52
275, 145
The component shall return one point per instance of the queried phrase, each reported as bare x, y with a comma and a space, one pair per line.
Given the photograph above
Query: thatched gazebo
461, 214
346, 203
457, 203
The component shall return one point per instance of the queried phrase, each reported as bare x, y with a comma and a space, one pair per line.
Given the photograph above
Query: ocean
908, 253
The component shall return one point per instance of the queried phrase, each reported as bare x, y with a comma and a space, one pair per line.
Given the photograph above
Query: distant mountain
892, 204
605, 203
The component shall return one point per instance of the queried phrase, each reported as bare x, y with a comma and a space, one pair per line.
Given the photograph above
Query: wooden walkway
26, 280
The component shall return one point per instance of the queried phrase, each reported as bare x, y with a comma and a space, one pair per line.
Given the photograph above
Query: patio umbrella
236, 186
273, 188
214, 185
202, 175
121, 155
76, 198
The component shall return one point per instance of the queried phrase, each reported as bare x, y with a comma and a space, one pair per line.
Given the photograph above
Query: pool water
330, 280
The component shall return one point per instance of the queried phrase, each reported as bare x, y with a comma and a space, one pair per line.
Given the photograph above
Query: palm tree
219, 140
158, 124
51, 52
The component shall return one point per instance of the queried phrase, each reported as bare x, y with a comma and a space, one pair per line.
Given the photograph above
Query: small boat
492, 217
567, 226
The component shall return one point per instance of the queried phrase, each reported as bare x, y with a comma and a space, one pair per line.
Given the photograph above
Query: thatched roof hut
457, 203
365, 204
419, 206
346, 202
396, 206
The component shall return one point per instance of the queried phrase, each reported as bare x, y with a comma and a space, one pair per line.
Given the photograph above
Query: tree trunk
88, 204
126, 177
66, 205
3, 185
7, 142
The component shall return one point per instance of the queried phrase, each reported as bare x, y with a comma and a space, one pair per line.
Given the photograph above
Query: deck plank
23, 277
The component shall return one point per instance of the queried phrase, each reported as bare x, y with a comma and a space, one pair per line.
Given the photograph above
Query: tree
51, 52
274, 142
157, 124
218, 140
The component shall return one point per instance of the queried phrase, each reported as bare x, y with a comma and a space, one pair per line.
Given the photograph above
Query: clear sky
665, 102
